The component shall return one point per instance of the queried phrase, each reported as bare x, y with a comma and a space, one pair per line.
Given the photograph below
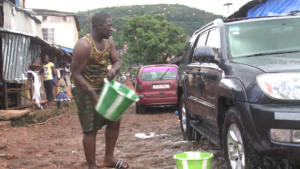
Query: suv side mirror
204, 54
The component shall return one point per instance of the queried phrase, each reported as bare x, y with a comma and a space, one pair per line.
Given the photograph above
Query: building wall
65, 30
22, 4
19, 21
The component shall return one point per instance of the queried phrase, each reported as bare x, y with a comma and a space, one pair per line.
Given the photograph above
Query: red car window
155, 73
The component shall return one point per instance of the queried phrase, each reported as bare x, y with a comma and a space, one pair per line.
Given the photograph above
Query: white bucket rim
120, 93
205, 158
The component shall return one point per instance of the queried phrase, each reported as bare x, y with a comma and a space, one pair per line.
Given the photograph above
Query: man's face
106, 28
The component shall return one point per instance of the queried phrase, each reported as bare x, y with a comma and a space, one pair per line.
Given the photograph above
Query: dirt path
57, 144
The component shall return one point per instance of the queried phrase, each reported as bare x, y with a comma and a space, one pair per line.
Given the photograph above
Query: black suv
239, 86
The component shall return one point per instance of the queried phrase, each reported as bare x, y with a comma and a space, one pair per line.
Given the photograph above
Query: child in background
62, 88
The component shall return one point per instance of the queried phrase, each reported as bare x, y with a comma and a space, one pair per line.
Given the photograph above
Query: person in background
68, 68
54, 76
61, 82
122, 79
133, 81
62, 95
68, 71
91, 56
62, 88
64, 72
48, 72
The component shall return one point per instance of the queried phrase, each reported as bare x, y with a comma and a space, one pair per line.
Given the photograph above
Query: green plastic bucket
193, 160
114, 100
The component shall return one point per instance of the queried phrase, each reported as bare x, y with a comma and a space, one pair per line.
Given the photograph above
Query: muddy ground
57, 143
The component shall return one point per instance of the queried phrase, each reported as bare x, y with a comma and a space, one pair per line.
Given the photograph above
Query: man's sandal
119, 165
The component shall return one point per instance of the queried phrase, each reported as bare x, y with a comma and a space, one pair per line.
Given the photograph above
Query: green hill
190, 19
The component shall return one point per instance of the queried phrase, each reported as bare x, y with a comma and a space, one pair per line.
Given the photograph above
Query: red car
156, 85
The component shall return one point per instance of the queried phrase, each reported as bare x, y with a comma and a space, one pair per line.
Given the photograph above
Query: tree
151, 39
126, 62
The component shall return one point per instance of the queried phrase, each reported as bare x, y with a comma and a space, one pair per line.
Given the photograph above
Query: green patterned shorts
90, 120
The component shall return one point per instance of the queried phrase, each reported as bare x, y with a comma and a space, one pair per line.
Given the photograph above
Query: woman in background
48, 72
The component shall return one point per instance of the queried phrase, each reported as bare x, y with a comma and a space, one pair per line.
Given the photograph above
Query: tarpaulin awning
175, 60
274, 8
67, 49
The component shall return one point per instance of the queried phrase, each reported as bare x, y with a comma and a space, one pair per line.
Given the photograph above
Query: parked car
239, 86
156, 85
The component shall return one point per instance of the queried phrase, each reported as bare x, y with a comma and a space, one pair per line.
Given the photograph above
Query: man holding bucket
89, 67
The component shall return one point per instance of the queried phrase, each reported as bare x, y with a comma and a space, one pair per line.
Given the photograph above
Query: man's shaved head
99, 18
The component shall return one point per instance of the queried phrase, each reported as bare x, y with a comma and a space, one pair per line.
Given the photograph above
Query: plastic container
114, 100
176, 112
193, 160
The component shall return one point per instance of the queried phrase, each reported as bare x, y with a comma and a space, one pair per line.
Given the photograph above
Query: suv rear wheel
185, 118
238, 151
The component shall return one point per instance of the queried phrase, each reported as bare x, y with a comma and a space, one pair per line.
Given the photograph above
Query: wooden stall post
5, 94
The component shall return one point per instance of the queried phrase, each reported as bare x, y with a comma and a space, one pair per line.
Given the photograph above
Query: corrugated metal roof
46, 12
37, 39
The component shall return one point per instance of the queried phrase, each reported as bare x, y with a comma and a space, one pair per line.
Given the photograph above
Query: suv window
201, 42
214, 41
202, 39
186, 52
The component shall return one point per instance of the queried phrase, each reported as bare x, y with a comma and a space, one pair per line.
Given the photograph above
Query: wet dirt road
146, 141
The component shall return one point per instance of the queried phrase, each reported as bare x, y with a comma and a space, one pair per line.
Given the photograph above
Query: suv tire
234, 139
185, 118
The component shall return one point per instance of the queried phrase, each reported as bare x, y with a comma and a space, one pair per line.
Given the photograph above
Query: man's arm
114, 59
81, 53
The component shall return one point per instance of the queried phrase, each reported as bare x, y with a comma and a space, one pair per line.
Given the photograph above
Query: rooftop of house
47, 12
25, 12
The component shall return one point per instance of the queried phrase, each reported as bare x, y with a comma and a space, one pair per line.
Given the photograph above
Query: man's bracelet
113, 70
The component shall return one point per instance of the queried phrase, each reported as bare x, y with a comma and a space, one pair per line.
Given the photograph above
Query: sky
213, 6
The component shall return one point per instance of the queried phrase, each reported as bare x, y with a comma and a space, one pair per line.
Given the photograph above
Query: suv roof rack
256, 17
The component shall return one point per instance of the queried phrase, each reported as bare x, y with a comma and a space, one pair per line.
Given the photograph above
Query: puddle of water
142, 135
